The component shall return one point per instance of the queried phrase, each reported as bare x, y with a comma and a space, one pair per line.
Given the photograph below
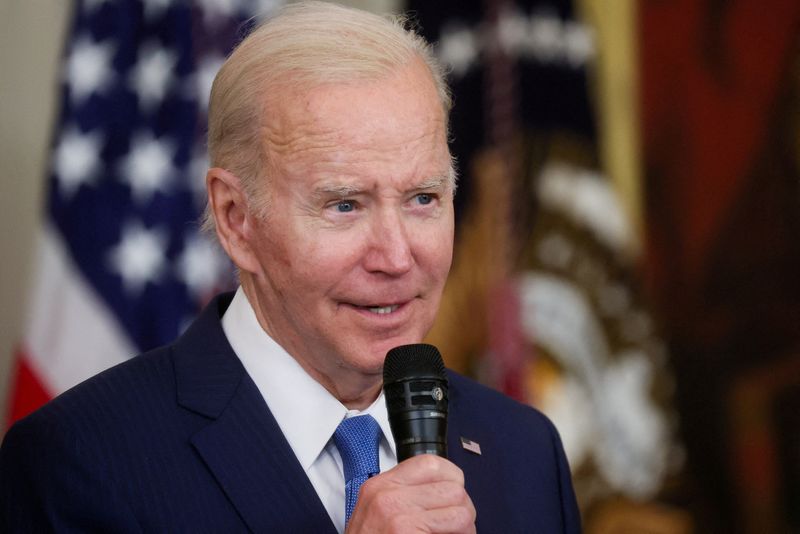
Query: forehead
394, 120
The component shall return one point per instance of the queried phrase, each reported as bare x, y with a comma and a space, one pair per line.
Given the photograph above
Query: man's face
357, 240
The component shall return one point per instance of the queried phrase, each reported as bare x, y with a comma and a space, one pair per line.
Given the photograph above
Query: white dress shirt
305, 411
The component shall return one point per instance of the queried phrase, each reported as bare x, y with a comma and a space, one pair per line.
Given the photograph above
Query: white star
148, 166
139, 256
260, 8
458, 47
88, 68
215, 9
200, 266
77, 159
155, 8
198, 167
512, 31
198, 85
152, 74
578, 44
545, 41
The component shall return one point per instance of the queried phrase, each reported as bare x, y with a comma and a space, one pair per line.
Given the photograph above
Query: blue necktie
357, 439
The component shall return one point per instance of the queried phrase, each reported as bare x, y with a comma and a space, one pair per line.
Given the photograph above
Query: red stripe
27, 391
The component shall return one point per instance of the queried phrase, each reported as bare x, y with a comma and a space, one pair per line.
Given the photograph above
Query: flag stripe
27, 391
70, 334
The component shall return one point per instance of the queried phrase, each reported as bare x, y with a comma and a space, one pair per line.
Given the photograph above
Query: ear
228, 204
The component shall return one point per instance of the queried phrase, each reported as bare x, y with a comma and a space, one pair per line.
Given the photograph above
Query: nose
390, 250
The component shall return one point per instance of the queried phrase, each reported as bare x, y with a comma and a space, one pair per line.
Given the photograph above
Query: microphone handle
420, 432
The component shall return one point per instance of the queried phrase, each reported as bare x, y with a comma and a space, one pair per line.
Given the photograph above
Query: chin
369, 354
384, 347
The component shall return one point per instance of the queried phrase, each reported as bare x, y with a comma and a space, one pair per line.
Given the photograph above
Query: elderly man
332, 192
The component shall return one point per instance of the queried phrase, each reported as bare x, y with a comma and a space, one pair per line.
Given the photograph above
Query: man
331, 190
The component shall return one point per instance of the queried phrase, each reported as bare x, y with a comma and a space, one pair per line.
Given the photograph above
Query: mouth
385, 318
378, 309
381, 310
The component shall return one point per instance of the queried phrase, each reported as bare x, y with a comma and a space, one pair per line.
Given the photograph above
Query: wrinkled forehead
394, 113
304, 87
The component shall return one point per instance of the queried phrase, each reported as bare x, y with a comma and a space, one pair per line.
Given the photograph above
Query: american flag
471, 446
121, 266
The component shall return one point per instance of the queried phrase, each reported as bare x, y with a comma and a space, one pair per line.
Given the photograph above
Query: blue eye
345, 206
424, 198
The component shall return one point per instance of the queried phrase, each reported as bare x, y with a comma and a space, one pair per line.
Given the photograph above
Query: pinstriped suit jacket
180, 440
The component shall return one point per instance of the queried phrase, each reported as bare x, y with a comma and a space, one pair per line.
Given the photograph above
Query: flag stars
542, 37
76, 159
512, 32
459, 48
151, 77
213, 10
148, 167
579, 47
204, 77
262, 7
198, 168
88, 68
545, 42
200, 266
139, 258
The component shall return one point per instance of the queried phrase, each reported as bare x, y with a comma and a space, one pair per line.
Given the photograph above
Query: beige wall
31, 35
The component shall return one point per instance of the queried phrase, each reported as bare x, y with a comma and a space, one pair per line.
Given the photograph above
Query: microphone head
415, 360
415, 388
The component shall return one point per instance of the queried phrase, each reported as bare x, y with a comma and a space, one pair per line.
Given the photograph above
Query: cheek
320, 259
440, 246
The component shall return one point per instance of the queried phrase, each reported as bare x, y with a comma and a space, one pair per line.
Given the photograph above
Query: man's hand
424, 494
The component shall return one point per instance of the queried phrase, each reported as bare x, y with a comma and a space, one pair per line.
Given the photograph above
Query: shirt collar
305, 411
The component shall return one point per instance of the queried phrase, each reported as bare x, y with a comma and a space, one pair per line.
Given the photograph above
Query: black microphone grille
419, 359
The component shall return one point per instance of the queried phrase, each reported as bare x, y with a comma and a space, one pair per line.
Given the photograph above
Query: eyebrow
437, 182
346, 190
337, 190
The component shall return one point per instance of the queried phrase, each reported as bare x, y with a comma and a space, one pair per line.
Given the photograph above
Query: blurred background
628, 224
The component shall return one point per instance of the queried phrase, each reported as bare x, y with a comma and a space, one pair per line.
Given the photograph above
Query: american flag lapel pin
472, 446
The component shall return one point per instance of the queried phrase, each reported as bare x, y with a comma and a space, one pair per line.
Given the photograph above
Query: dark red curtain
720, 104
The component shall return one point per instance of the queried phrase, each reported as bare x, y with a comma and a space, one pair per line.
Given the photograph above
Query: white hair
305, 45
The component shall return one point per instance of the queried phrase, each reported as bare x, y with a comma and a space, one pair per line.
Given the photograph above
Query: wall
31, 37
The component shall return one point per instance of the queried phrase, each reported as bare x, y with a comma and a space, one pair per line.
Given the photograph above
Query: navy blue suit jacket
180, 440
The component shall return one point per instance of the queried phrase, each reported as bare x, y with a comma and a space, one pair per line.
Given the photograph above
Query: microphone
415, 387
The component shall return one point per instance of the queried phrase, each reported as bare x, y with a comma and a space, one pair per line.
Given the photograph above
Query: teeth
383, 310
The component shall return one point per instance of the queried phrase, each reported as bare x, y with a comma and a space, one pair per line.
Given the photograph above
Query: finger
450, 520
424, 469
409, 490
395, 499
453, 519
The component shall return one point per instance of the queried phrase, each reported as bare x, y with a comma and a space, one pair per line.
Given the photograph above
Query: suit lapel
242, 446
257, 469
